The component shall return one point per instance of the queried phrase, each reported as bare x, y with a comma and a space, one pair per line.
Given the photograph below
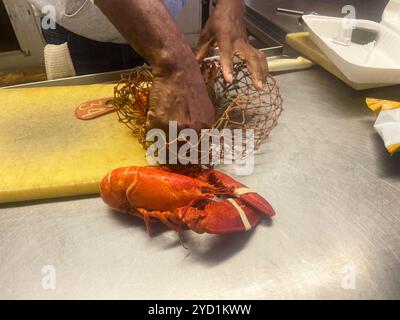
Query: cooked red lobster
201, 200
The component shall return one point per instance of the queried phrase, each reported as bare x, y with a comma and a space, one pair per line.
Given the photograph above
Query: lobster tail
113, 189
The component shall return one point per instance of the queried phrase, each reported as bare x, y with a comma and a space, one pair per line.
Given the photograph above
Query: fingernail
260, 84
230, 78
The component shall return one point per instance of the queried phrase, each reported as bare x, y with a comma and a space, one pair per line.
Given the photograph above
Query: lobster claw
220, 217
240, 191
255, 200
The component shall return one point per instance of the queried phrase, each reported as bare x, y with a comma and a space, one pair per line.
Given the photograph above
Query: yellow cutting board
45, 152
302, 42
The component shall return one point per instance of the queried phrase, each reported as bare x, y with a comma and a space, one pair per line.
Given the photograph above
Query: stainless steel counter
336, 234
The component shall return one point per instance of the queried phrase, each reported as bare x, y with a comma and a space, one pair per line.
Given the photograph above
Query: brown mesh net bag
131, 99
237, 106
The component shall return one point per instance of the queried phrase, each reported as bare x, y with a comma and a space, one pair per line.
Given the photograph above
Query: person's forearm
233, 9
232, 3
150, 30
241, 2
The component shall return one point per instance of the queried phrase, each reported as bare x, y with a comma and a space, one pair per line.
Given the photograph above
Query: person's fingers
262, 56
202, 50
226, 58
257, 64
203, 46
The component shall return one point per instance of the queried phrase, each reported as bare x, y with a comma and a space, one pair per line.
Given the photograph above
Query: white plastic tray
377, 62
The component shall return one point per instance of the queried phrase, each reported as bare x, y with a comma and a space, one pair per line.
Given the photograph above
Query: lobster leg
146, 218
168, 218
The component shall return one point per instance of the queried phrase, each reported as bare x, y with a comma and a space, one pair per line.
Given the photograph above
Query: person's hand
179, 94
226, 28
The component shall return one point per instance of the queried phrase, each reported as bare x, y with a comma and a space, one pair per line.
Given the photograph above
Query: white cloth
58, 62
86, 19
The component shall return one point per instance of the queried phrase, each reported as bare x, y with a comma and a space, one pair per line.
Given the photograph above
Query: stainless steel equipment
27, 48
336, 234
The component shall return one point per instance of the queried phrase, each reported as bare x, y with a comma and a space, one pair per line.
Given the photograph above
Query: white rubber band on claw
242, 191
242, 214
